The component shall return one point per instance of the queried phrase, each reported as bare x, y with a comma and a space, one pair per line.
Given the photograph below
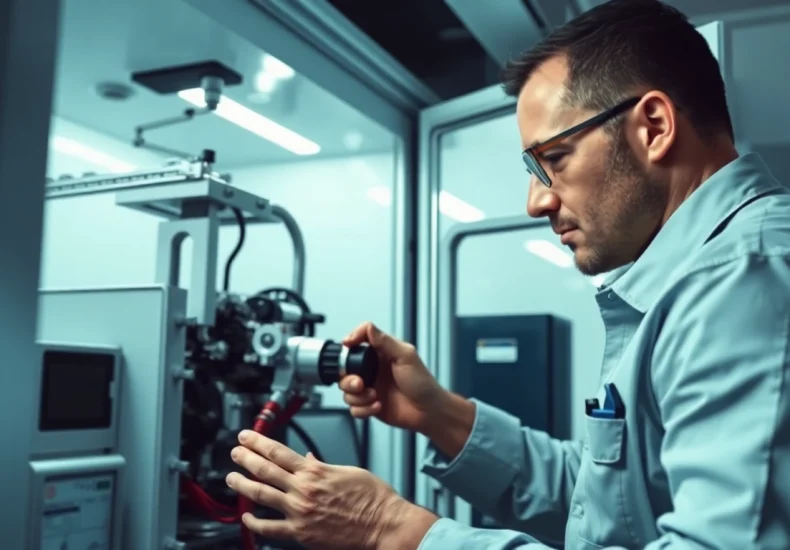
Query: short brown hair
621, 44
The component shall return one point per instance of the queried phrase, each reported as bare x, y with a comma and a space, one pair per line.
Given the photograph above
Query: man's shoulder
749, 251
760, 229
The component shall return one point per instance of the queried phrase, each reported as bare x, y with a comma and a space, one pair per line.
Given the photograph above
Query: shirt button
610, 295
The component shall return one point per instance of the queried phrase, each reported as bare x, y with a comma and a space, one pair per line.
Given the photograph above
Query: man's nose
541, 201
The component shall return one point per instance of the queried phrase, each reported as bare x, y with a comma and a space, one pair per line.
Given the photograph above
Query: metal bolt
186, 322
180, 373
173, 544
176, 465
228, 192
261, 203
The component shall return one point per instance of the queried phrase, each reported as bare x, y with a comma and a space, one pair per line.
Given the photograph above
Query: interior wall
342, 205
759, 75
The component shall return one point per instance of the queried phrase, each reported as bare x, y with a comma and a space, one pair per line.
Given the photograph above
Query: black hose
306, 439
232, 257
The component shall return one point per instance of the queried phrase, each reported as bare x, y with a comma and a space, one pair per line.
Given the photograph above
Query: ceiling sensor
114, 91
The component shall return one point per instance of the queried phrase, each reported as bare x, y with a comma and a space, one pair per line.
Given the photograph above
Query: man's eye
554, 158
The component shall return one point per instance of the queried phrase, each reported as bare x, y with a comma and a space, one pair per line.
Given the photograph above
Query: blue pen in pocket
613, 406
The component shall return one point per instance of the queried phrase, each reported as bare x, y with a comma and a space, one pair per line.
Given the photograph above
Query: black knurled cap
329, 363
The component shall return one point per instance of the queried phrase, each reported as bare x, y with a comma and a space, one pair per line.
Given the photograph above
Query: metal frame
195, 202
434, 123
27, 64
319, 43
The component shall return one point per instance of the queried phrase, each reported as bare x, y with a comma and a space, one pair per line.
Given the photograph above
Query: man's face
601, 200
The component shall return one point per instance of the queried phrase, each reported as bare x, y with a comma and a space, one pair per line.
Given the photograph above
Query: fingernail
244, 436
229, 480
234, 454
357, 384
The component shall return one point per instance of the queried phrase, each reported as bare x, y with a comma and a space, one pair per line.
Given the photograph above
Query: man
631, 155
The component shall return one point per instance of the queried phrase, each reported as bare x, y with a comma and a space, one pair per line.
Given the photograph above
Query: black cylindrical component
363, 361
335, 362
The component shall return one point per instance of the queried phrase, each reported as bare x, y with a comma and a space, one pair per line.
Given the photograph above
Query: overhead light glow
449, 205
251, 121
83, 152
381, 195
457, 209
265, 82
277, 68
550, 252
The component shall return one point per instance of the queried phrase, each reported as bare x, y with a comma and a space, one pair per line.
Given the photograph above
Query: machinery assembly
144, 389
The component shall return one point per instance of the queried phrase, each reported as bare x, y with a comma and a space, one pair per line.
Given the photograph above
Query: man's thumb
378, 339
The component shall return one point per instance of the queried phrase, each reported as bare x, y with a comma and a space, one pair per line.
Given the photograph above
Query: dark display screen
75, 391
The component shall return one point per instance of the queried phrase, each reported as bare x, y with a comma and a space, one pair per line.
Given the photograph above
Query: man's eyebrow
541, 141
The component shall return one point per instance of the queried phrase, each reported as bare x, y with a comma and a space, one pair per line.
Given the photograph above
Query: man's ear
656, 124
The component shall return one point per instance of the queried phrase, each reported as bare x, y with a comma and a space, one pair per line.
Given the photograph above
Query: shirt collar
640, 283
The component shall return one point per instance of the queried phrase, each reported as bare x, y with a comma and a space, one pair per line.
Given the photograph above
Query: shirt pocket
601, 477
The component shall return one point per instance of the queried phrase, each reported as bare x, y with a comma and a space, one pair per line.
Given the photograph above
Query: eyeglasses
530, 155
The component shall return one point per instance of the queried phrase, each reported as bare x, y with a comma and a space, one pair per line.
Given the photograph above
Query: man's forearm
450, 424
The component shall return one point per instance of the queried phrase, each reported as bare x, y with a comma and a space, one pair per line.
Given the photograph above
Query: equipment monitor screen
75, 390
77, 512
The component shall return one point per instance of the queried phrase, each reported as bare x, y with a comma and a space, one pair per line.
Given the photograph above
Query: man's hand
326, 507
406, 394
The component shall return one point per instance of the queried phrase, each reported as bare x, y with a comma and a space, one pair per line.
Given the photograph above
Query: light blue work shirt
697, 345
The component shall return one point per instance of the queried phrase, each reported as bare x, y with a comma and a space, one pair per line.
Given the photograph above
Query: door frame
28, 53
434, 123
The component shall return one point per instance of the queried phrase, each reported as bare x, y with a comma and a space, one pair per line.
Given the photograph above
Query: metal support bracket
194, 202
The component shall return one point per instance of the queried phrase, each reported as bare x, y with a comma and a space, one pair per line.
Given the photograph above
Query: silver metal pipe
298, 242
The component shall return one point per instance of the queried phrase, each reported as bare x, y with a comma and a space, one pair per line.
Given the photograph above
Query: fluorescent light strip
251, 121
549, 252
83, 152
457, 209
449, 205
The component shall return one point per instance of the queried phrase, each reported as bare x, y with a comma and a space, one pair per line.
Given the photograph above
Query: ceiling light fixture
251, 121
277, 68
83, 152
550, 252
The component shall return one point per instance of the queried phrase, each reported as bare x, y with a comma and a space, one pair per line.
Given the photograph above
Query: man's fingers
358, 335
364, 412
367, 397
257, 492
281, 529
351, 384
261, 468
271, 450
